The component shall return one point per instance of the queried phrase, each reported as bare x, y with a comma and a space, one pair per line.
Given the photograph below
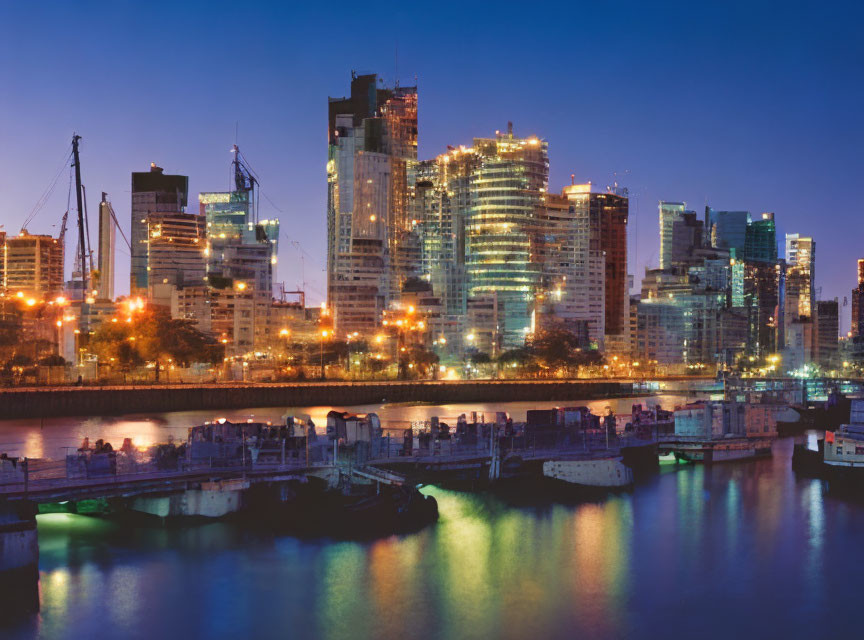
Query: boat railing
34, 473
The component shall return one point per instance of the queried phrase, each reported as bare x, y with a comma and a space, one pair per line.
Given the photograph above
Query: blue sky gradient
743, 105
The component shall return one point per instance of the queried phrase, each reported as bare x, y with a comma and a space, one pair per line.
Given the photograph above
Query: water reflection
737, 549
53, 437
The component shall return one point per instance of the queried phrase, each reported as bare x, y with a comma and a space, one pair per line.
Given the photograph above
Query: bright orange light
20, 294
31, 302
284, 332
325, 333
411, 308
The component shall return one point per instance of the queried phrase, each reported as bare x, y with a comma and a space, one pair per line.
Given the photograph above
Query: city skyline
777, 165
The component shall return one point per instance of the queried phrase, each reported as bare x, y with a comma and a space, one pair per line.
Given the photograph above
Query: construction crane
63, 228
82, 222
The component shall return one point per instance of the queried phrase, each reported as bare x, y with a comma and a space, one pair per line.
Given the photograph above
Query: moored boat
844, 451
597, 473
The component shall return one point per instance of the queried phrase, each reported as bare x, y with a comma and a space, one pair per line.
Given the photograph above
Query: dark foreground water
730, 551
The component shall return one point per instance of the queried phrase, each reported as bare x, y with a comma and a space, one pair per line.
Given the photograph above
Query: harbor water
734, 549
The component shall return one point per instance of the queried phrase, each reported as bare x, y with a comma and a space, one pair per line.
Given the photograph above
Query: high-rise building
175, 249
32, 264
726, 229
760, 243
758, 289
507, 198
800, 276
442, 203
152, 192
371, 242
857, 328
827, 333
107, 238
614, 212
584, 260
239, 249
670, 212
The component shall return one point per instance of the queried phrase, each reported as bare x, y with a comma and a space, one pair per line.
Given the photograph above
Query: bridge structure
201, 489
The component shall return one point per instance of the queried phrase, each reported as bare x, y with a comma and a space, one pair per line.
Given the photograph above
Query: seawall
49, 402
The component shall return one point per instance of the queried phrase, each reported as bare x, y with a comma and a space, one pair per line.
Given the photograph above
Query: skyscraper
800, 276
827, 333
152, 192
587, 260
726, 229
175, 250
371, 246
670, 212
507, 196
857, 328
760, 242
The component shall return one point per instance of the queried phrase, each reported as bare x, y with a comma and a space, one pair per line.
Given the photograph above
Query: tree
53, 360
416, 360
557, 348
152, 335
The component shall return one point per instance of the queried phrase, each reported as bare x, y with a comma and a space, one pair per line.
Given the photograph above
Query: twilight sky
743, 105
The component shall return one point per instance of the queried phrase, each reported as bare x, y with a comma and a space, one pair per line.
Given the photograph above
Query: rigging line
119, 228
297, 244
69, 193
258, 181
43, 199
87, 240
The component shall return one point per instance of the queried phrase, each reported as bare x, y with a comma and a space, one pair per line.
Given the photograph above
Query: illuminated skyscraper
584, 250
175, 250
507, 199
152, 192
857, 328
800, 276
371, 245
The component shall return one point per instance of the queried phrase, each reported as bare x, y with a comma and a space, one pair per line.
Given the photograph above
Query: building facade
152, 192
32, 265
372, 248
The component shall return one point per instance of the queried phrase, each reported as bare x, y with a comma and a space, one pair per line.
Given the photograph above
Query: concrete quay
47, 402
